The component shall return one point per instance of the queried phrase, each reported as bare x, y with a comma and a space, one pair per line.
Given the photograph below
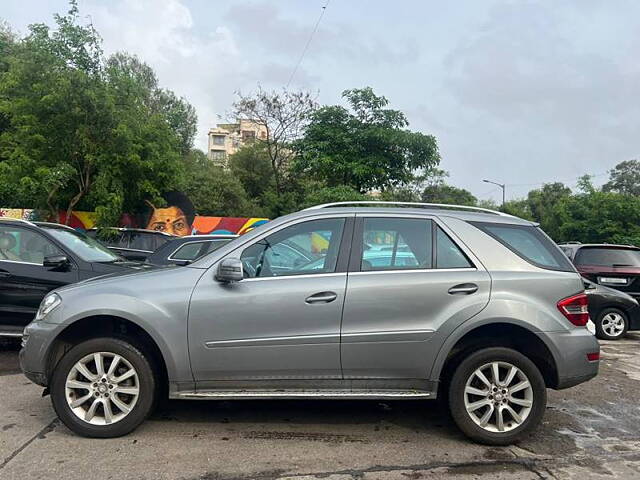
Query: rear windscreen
608, 257
528, 242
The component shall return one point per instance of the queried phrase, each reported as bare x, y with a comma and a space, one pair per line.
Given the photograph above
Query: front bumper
34, 354
570, 350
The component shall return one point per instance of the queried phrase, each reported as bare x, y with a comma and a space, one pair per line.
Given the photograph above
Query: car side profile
613, 312
476, 306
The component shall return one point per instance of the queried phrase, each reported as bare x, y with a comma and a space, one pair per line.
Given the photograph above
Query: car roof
461, 212
140, 230
597, 245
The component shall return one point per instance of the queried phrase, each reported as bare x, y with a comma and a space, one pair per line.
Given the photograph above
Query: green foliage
443, 193
367, 147
213, 190
81, 132
320, 195
624, 178
252, 167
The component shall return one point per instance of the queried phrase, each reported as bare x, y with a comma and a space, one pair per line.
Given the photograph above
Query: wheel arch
95, 326
498, 333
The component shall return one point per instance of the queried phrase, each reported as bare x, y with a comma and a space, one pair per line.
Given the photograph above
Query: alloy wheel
102, 388
613, 324
498, 397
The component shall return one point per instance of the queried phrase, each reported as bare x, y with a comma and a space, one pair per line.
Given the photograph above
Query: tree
251, 165
214, 190
443, 193
320, 195
542, 203
83, 133
624, 178
365, 146
283, 115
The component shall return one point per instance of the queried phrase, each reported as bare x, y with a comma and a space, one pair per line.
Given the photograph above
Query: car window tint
396, 244
216, 244
23, 245
304, 248
142, 241
529, 243
448, 254
188, 251
608, 257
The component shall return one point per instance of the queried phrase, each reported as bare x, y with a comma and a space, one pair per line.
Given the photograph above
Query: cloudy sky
521, 92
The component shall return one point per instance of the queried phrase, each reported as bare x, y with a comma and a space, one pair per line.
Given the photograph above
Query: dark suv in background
614, 266
131, 243
36, 258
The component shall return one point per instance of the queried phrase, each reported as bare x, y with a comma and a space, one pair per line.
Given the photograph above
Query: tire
465, 383
130, 400
611, 324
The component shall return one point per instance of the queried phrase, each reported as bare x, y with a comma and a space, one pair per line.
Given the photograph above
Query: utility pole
501, 185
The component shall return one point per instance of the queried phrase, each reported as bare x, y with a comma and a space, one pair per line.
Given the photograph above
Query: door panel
390, 319
264, 328
408, 284
283, 321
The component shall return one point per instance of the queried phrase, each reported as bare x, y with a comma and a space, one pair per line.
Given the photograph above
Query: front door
409, 282
283, 320
24, 281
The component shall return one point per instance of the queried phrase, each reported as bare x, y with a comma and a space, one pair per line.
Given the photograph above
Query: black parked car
38, 257
613, 312
131, 243
184, 250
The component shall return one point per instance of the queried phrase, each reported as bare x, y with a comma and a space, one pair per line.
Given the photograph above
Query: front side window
87, 248
23, 245
529, 243
305, 248
396, 244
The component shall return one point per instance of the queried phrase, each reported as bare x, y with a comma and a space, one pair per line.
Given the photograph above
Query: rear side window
188, 251
396, 244
608, 257
448, 254
529, 243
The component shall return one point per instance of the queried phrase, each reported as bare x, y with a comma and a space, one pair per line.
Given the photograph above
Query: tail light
575, 309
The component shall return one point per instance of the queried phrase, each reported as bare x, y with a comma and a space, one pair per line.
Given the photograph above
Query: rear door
408, 279
24, 281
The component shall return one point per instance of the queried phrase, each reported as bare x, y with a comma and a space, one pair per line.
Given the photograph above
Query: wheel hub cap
498, 397
102, 388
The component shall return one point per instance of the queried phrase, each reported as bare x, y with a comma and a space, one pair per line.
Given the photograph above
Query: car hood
113, 270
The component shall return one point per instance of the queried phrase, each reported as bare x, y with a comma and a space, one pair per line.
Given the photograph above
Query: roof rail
411, 204
20, 220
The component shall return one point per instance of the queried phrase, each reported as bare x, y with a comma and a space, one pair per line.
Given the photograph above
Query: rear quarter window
529, 243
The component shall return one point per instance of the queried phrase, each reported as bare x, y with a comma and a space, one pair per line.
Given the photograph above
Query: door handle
463, 289
322, 297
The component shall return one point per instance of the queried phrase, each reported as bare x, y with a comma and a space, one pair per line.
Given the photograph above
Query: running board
311, 394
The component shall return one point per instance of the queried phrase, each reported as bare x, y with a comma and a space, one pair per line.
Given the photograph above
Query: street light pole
501, 185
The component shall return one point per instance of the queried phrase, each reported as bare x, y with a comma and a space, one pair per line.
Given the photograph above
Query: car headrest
7, 241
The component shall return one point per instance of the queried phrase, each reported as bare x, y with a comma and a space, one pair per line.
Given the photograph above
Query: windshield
87, 248
608, 257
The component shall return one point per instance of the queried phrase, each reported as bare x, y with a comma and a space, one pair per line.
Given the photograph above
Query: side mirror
230, 270
56, 262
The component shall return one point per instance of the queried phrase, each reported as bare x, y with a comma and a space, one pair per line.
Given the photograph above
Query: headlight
49, 302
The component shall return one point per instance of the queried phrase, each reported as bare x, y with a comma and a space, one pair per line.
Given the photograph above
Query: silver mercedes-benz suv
402, 301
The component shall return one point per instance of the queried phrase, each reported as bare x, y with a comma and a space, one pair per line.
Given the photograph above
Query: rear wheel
103, 387
497, 395
611, 324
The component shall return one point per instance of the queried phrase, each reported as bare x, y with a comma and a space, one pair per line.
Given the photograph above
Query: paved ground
590, 431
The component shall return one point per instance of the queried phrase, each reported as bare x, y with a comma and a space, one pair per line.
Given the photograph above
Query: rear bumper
570, 350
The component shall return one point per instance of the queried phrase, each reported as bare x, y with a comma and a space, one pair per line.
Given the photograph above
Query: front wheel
103, 387
497, 395
611, 324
